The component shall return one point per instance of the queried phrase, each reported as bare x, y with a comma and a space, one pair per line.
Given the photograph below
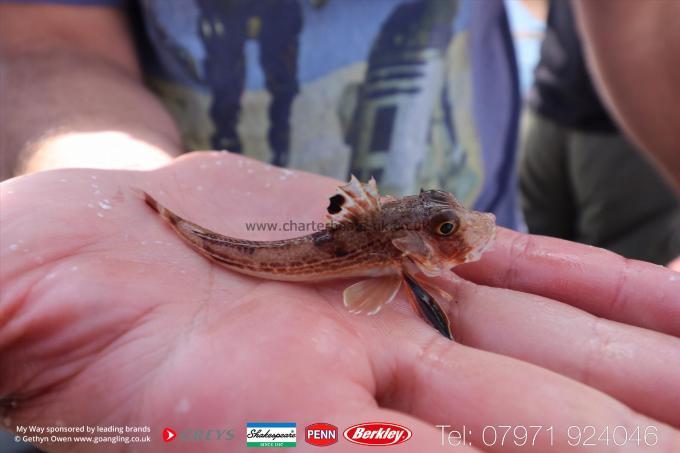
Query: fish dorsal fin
370, 295
353, 200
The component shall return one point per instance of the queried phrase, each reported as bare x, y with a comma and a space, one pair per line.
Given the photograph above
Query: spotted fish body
387, 240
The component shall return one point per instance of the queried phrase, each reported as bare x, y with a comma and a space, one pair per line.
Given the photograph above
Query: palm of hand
131, 314
130, 326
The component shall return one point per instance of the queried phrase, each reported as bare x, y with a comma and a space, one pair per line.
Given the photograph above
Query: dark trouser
280, 24
595, 188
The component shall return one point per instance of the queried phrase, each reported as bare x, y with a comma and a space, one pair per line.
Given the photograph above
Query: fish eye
444, 223
447, 228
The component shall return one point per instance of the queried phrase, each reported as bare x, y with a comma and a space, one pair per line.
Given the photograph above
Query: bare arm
634, 49
73, 94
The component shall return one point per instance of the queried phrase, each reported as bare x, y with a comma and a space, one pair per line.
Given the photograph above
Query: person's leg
545, 191
279, 43
222, 28
624, 204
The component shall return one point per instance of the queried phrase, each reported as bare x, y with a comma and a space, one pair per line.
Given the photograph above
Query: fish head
446, 233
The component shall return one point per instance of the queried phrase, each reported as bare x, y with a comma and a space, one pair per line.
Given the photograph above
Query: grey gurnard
383, 239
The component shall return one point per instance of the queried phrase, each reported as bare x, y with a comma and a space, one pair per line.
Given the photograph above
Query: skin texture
637, 68
100, 116
112, 319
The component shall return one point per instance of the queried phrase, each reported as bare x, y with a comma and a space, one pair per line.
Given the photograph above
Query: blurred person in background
581, 178
415, 94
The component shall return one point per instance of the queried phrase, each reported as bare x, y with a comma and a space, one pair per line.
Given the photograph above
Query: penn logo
321, 434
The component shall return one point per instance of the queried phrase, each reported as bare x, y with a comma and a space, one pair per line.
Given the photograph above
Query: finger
675, 264
595, 280
344, 402
639, 367
448, 383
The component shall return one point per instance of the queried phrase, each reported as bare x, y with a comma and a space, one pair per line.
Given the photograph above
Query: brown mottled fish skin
362, 248
324, 255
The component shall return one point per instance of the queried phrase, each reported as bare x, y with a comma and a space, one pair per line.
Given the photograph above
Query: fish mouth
480, 235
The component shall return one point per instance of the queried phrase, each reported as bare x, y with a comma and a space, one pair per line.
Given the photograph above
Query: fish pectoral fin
411, 243
427, 306
413, 270
418, 252
368, 296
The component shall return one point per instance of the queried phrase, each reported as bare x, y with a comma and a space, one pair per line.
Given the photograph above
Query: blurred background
580, 177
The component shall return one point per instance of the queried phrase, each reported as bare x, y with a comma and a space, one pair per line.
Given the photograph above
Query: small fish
386, 240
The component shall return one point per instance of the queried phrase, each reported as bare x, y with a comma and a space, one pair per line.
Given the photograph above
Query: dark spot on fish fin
340, 252
336, 202
422, 190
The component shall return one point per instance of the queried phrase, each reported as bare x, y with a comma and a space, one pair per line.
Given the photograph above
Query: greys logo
198, 435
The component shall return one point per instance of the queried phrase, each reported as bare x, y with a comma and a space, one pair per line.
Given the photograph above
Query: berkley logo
377, 433
321, 434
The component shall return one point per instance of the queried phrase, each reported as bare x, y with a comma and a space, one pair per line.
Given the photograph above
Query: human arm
73, 94
634, 51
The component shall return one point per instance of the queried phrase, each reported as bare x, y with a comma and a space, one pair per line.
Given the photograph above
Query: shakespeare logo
278, 435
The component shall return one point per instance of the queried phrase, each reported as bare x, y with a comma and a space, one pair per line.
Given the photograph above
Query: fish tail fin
189, 231
164, 212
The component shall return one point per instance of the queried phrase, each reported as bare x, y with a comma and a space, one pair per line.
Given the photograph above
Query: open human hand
108, 318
